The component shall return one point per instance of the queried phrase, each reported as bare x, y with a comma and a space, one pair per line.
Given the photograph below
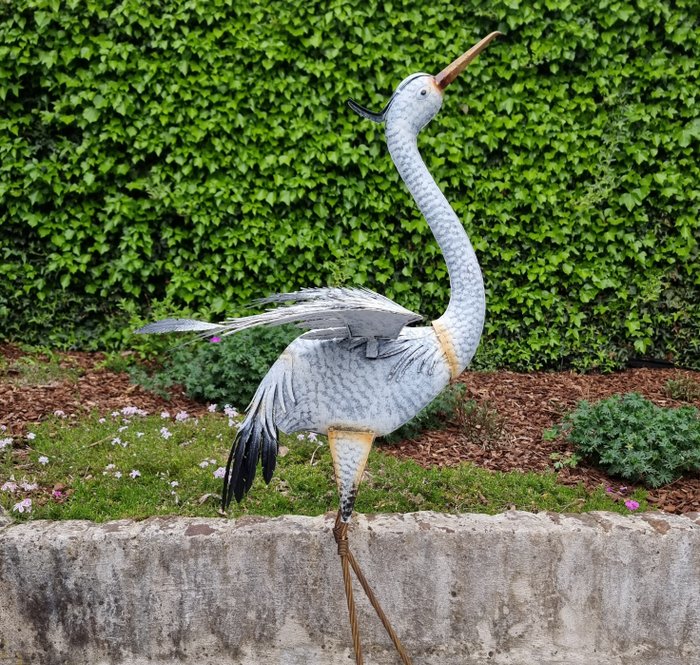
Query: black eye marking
423, 92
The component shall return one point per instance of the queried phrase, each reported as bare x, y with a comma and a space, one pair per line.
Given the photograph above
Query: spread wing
326, 313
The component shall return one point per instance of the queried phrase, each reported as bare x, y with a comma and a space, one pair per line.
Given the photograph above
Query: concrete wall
510, 589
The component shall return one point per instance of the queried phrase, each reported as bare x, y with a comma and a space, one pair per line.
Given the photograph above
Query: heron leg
349, 450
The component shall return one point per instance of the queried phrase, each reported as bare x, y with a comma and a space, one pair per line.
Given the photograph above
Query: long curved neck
464, 319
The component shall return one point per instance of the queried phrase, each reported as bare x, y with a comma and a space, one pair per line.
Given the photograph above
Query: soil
504, 431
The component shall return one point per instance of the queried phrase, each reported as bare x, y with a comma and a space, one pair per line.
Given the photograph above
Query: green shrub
225, 372
630, 437
203, 152
480, 423
684, 389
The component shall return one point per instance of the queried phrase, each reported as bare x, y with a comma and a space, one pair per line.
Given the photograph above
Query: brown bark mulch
504, 433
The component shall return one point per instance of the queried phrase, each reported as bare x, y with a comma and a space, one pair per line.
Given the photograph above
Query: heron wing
340, 313
326, 313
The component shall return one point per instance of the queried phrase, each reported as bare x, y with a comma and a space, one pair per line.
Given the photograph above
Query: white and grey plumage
360, 367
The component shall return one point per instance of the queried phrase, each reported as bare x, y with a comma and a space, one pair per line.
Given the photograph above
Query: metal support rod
340, 531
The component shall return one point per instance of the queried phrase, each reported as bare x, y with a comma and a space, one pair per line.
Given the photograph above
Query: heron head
419, 96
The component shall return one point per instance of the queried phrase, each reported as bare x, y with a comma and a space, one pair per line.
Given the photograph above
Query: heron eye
423, 92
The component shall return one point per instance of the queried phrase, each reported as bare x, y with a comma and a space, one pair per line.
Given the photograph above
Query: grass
86, 470
38, 368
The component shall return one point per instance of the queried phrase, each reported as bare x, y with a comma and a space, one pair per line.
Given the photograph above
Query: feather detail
257, 437
327, 313
330, 313
178, 325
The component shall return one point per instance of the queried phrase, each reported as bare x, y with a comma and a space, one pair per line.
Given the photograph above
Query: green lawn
136, 466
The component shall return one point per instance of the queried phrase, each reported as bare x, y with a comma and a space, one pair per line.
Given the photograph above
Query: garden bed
518, 410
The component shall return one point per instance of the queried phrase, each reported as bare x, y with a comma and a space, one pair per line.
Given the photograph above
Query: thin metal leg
350, 451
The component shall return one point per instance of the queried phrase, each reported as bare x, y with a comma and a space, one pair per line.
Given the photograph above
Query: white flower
102, 420
5, 442
300, 437
9, 486
220, 472
139, 435
133, 411
109, 467
164, 415
28, 487
135, 473
312, 436
165, 432
116, 441
204, 464
117, 474
230, 411
122, 428
174, 483
31, 436
43, 460
59, 413
115, 414
181, 416
24, 506
211, 408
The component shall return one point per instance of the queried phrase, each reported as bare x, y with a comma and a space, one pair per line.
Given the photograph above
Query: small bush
630, 437
683, 389
481, 423
225, 372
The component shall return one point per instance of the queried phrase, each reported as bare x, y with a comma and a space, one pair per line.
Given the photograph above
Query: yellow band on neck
448, 348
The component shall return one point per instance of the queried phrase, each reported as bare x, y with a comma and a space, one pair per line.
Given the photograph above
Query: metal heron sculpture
361, 371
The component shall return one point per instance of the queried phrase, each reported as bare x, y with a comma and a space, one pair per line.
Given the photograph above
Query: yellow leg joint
448, 348
349, 450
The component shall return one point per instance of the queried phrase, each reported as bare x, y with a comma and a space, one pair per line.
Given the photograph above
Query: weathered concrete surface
511, 589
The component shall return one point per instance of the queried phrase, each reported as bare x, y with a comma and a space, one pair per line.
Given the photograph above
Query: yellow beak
453, 70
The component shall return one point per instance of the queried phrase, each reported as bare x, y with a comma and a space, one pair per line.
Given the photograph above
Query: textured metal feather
257, 436
330, 313
177, 325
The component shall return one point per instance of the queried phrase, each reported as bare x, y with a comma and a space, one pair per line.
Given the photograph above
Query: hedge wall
200, 152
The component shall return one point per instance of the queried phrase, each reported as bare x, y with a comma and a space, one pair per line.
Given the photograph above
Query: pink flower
215, 340
57, 494
631, 505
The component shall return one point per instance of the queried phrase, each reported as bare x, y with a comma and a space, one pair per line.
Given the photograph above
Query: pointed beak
452, 71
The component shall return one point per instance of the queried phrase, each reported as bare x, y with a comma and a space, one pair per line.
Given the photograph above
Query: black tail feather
243, 459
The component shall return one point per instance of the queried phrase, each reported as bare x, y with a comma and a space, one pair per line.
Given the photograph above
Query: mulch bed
516, 407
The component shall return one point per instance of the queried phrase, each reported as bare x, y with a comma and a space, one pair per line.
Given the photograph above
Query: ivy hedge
199, 153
